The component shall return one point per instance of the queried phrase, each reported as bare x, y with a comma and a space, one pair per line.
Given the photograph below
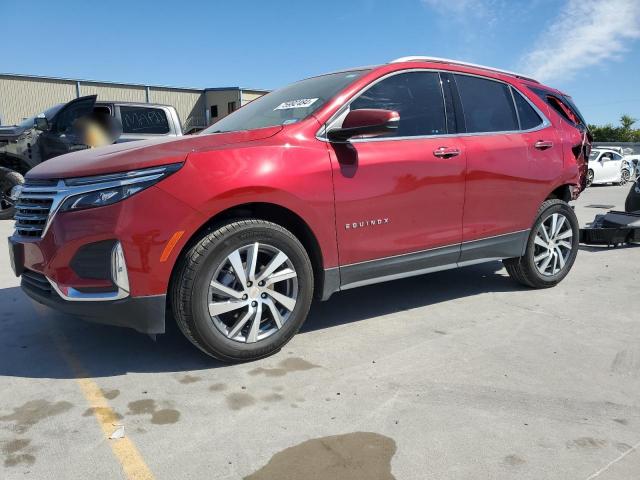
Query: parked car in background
607, 166
52, 133
331, 183
633, 161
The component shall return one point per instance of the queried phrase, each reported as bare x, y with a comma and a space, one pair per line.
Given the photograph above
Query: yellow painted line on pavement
124, 449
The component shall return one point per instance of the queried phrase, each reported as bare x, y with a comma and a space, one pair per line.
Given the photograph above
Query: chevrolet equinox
333, 182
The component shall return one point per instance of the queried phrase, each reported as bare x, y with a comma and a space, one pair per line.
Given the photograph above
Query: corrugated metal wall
25, 96
189, 104
250, 96
121, 93
22, 97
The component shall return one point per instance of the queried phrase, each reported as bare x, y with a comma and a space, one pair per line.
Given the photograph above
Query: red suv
334, 182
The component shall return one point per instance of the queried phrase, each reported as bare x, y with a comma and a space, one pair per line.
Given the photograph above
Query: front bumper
144, 314
65, 268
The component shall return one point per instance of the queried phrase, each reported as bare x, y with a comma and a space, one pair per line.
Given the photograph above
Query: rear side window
563, 105
143, 120
528, 117
487, 105
416, 96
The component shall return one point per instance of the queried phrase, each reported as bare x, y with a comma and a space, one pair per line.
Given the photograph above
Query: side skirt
417, 263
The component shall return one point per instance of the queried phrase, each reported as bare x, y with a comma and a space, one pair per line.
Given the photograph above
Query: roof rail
457, 62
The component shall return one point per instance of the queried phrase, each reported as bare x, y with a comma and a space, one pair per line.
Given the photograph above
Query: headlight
102, 190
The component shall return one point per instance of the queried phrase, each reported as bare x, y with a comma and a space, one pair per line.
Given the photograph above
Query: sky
590, 49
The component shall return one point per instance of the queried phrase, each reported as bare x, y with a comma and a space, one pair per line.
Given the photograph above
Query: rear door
613, 167
513, 155
398, 199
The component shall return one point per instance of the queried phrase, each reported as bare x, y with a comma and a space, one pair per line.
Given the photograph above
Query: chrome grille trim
35, 206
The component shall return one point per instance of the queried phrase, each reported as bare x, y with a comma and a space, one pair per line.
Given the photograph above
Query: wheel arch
563, 192
270, 212
14, 163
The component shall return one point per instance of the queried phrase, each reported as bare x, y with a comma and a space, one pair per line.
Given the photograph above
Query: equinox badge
366, 223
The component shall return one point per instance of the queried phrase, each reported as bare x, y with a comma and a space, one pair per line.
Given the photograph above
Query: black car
632, 203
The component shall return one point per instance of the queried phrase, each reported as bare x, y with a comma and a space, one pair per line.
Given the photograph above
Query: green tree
623, 133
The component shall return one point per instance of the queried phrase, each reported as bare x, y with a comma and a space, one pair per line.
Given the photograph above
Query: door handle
543, 144
446, 152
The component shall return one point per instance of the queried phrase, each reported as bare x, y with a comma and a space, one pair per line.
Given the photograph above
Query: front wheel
242, 291
551, 249
8, 180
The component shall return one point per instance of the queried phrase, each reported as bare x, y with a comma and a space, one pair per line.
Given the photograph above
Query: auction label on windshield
301, 103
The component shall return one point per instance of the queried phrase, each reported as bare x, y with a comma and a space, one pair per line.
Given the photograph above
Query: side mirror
368, 121
41, 123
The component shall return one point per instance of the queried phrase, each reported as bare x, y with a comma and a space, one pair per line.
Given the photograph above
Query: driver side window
416, 96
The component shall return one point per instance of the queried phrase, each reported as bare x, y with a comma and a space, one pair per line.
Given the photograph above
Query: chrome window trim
321, 132
422, 58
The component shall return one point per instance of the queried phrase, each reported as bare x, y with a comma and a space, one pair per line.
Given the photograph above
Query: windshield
286, 105
48, 114
594, 154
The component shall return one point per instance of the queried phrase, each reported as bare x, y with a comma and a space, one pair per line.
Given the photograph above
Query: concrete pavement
454, 375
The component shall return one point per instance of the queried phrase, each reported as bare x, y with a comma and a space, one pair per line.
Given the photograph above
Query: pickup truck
51, 133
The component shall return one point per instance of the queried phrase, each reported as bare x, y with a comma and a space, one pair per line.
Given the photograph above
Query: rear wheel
241, 292
590, 178
8, 180
551, 249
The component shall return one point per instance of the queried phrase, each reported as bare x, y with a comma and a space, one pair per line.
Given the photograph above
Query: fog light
119, 268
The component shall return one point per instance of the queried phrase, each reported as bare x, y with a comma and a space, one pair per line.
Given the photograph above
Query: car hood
11, 132
142, 154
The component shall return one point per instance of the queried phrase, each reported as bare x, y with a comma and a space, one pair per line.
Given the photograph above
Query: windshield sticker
301, 103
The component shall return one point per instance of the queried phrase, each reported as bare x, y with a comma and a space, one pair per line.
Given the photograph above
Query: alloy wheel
590, 178
553, 244
625, 175
252, 293
6, 202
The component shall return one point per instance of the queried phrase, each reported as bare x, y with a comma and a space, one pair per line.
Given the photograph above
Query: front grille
33, 207
36, 282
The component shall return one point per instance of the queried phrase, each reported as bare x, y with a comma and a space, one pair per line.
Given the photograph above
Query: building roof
127, 84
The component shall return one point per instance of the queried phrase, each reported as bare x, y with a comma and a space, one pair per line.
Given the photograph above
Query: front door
398, 198
61, 137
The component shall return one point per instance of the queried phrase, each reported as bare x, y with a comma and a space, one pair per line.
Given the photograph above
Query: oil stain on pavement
238, 401
354, 456
33, 411
164, 416
110, 394
16, 453
289, 365
186, 379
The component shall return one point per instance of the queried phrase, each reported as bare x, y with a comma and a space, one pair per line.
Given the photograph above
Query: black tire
8, 180
524, 270
189, 291
632, 203
590, 175
625, 175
